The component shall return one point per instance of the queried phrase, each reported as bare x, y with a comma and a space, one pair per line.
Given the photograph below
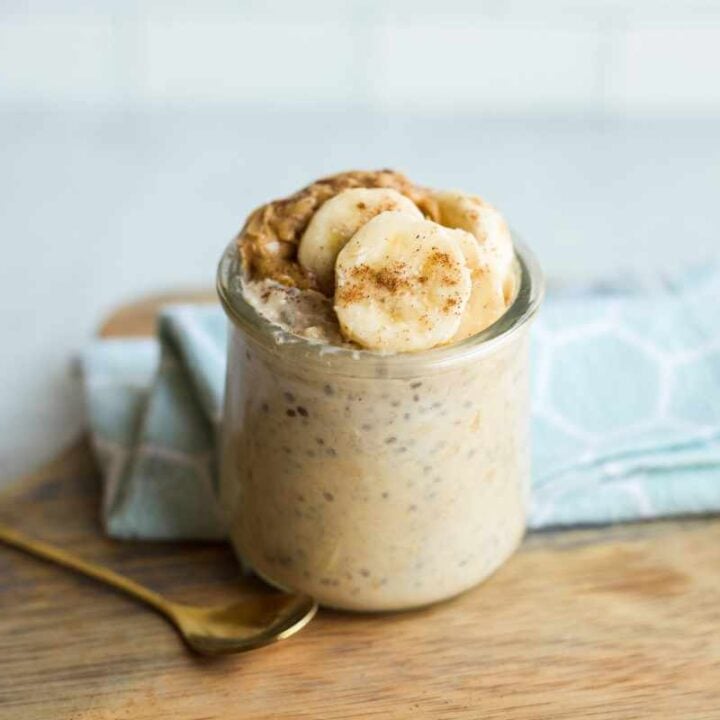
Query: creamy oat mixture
369, 487
306, 313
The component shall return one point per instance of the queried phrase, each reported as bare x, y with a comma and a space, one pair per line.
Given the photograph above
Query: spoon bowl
244, 625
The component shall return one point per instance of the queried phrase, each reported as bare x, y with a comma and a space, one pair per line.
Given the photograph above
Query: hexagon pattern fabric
626, 413
626, 406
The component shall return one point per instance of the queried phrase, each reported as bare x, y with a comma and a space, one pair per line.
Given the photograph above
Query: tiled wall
496, 56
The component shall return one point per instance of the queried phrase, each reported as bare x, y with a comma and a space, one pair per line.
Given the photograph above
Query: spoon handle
12, 537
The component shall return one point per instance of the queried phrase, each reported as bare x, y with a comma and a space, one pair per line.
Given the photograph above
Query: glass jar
370, 481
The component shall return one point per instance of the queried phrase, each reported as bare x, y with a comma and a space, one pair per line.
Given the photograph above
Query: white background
135, 137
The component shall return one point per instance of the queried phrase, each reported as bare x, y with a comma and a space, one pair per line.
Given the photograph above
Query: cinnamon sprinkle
392, 278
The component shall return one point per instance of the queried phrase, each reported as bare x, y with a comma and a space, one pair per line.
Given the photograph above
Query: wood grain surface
613, 623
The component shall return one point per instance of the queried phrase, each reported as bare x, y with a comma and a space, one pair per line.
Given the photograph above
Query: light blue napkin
626, 413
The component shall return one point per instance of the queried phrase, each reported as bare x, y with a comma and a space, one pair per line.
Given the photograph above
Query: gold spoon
237, 627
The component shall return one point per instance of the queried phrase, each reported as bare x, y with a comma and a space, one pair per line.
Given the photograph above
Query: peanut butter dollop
268, 242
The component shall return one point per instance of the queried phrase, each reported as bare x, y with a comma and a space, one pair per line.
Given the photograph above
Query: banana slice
402, 284
472, 213
337, 220
487, 297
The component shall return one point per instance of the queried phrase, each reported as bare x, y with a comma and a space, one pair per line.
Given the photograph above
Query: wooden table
615, 623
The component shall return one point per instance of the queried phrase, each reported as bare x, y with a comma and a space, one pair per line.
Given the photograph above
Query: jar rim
356, 361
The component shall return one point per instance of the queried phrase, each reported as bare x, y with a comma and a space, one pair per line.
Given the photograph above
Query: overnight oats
375, 445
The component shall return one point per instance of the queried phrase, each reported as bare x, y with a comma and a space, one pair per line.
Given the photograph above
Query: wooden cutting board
614, 623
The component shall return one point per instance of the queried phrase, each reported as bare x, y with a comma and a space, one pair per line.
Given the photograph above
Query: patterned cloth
626, 413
